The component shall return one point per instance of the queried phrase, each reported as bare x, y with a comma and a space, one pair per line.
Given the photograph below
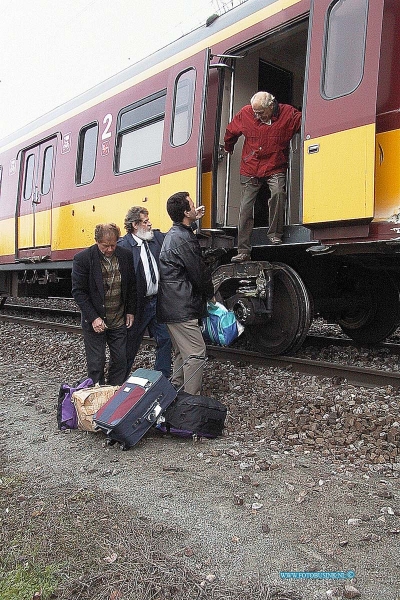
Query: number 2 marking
107, 122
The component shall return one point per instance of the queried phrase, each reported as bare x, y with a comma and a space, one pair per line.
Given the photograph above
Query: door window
344, 47
87, 150
46, 171
182, 117
29, 173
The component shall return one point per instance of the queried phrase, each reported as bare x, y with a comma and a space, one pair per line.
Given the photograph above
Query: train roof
212, 26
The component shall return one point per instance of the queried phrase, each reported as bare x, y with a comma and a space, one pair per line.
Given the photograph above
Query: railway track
355, 375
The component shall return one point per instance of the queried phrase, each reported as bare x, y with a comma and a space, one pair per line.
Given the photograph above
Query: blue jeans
156, 330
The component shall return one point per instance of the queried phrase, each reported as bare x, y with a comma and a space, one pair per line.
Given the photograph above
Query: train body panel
158, 127
387, 184
348, 196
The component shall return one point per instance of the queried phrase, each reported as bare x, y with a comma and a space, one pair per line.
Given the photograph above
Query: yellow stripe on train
73, 225
7, 238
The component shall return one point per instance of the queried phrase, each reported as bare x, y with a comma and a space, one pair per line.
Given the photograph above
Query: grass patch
27, 580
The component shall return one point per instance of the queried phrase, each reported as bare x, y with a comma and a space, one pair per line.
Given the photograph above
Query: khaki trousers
276, 205
187, 340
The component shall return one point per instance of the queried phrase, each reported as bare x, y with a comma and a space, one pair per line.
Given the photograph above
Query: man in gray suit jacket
104, 287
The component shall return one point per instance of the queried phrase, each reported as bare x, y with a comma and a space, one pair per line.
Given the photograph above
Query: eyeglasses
145, 221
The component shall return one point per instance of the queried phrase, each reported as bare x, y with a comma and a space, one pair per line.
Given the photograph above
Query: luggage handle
155, 411
203, 358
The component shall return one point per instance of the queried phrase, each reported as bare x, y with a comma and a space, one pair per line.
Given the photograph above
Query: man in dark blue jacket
185, 286
144, 243
104, 287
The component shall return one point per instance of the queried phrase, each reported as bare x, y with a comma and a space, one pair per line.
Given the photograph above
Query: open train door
184, 130
340, 111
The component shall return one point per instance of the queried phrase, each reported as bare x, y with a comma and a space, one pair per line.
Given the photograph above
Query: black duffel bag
194, 416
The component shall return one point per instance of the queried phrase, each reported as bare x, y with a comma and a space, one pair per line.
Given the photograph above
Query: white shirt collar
138, 240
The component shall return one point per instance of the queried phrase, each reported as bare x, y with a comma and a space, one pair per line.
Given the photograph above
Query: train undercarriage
278, 294
277, 299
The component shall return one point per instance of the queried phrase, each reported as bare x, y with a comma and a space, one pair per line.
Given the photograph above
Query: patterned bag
220, 326
88, 401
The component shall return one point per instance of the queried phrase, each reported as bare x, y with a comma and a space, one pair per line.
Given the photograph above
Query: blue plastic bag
220, 326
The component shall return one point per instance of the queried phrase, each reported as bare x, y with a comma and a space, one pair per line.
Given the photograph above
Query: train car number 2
107, 122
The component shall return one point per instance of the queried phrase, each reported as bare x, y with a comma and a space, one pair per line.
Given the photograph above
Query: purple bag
66, 412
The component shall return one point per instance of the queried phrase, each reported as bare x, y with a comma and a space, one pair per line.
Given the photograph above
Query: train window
47, 168
344, 47
87, 150
183, 108
29, 173
140, 133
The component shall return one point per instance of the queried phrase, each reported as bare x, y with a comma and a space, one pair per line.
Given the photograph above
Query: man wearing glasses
267, 128
145, 244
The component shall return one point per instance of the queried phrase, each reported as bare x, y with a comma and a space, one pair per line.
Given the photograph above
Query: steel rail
64, 312
359, 376
64, 327
312, 339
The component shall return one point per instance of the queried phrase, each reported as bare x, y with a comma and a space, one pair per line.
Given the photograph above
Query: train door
35, 198
340, 115
184, 128
275, 64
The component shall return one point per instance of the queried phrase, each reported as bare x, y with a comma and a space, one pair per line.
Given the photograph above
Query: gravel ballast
305, 478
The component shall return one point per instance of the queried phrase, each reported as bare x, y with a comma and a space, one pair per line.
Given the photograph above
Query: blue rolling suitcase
135, 407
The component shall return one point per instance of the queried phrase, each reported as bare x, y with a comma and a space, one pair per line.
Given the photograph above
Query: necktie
151, 267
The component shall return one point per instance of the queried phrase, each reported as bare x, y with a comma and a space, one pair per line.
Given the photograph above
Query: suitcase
135, 407
193, 416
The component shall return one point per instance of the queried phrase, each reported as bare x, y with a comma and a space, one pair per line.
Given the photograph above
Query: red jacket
266, 147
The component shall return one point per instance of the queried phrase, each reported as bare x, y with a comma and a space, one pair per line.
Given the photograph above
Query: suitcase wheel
110, 442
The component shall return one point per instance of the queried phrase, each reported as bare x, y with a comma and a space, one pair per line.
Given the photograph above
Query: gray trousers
276, 207
187, 340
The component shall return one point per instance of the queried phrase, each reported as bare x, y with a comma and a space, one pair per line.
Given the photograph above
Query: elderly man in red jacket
267, 128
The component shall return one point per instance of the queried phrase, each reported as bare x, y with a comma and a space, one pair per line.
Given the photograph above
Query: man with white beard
145, 244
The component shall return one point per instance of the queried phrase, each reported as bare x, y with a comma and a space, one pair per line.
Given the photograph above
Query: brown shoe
241, 257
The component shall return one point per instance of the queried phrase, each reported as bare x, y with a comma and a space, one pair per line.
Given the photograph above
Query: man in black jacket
145, 243
184, 288
104, 287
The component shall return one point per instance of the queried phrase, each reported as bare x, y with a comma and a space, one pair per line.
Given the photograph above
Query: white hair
265, 99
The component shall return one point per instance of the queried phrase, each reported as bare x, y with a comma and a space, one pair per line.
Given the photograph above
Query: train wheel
291, 318
378, 316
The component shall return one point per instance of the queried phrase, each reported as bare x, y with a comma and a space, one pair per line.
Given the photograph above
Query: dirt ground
174, 518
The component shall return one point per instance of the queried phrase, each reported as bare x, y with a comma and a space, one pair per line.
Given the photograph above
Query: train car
158, 127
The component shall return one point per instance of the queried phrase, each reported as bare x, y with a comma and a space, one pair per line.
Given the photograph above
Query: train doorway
275, 64
35, 199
